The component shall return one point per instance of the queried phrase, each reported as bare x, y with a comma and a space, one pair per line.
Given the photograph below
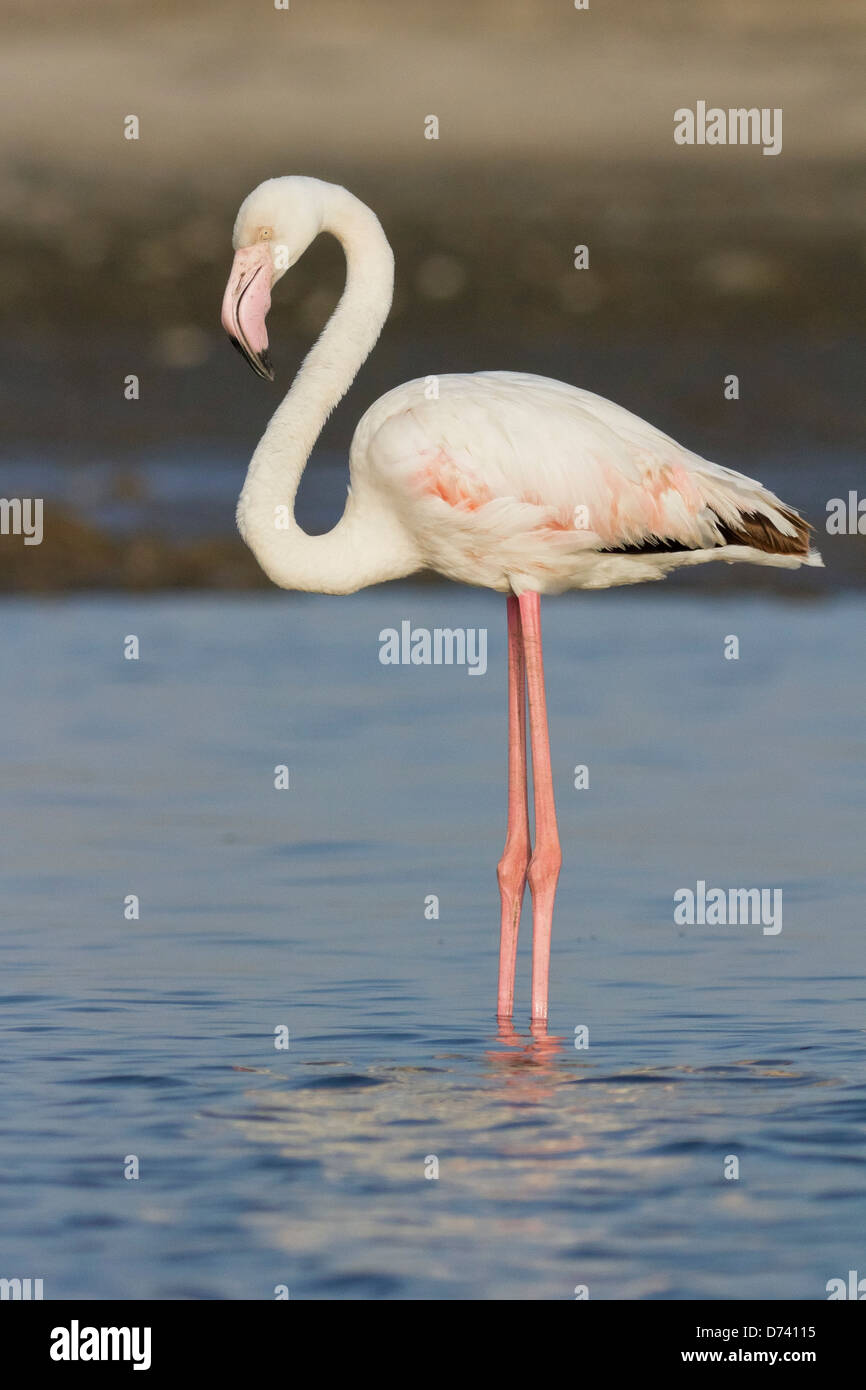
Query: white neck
351, 555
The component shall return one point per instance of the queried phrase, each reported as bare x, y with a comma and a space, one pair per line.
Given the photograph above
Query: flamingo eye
265, 233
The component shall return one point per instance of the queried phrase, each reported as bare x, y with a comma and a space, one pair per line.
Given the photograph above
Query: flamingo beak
245, 304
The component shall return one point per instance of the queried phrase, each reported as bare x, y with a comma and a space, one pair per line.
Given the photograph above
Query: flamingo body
520, 483
514, 482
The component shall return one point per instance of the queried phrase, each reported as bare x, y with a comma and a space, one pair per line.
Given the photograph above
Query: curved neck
346, 558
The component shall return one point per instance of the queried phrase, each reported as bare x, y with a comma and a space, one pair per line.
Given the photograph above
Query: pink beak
246, 302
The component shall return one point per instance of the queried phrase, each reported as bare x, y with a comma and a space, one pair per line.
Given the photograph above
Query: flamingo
514, 482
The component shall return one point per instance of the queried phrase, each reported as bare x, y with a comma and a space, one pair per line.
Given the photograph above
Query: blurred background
556, 128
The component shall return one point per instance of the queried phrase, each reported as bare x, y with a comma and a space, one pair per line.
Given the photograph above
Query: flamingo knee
543, 869
511, 871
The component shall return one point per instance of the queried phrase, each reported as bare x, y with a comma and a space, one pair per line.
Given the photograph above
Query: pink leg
515, 856
544, 866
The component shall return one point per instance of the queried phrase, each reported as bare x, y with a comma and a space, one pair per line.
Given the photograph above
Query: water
305, 908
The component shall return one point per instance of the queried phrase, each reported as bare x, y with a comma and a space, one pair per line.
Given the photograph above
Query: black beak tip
260, 362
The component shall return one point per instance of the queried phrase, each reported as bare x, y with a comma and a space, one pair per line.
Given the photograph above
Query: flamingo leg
512, 867
544, 866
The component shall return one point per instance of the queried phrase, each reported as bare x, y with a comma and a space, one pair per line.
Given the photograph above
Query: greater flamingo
518, 483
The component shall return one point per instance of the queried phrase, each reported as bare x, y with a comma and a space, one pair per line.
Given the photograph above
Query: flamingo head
273, 229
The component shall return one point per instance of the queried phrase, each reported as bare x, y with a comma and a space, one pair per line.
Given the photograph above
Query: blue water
305, 908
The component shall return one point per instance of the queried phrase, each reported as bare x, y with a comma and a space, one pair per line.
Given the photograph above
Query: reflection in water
523, 1061
544, 1162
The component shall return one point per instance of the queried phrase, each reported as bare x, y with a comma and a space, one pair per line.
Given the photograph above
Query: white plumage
519, 482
